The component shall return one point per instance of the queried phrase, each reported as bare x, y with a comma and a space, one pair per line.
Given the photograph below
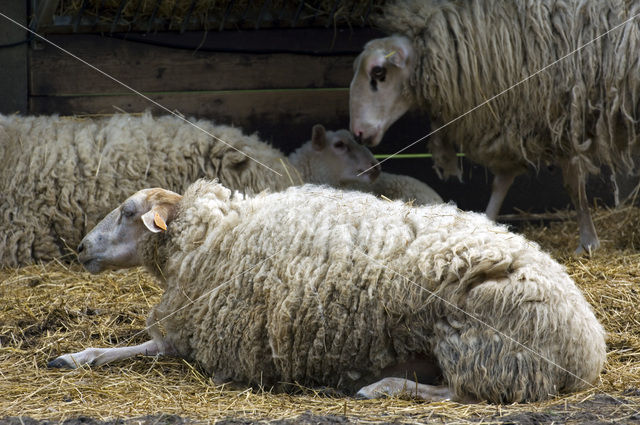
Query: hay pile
53, 309
211, 13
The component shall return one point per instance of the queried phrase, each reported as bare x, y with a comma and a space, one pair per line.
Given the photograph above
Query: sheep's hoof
587, 249
394, 387
59, 363
384, 388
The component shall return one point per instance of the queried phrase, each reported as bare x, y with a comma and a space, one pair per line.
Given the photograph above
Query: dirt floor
55, 308
599, 409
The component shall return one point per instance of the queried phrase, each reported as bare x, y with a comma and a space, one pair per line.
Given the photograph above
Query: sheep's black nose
368, 141
81, 247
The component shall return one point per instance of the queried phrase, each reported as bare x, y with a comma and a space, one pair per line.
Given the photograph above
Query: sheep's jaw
95, 265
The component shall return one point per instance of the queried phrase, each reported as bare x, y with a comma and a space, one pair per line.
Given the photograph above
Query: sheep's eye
128, 211
378, 73
339, 145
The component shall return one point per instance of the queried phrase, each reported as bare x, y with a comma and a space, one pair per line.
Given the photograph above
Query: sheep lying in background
60, 176
391, 186
447, 57
323, 287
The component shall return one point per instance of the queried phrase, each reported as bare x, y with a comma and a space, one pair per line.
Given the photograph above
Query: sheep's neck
154, 253
299, 159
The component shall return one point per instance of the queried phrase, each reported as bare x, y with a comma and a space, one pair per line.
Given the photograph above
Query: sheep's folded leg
100, 356
394, 386
501, 184
575, 183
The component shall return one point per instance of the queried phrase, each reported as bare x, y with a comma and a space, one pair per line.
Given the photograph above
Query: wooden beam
153, 68
284, 117
318, 41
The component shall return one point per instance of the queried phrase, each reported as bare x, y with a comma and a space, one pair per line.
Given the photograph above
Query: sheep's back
322, 287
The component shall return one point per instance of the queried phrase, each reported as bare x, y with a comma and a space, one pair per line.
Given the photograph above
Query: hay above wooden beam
154, 15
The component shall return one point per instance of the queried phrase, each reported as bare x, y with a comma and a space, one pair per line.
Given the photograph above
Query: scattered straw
46, 310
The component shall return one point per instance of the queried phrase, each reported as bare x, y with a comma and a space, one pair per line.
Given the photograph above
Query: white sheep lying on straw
323, 287
60, 176
446, 57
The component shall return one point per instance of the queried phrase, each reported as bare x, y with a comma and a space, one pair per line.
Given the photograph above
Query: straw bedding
49, 309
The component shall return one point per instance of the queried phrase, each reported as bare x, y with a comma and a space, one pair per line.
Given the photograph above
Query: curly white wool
344, 287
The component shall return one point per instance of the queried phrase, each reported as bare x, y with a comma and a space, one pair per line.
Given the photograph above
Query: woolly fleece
323, 287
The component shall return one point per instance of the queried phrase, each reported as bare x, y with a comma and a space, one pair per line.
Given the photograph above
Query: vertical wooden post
13, 58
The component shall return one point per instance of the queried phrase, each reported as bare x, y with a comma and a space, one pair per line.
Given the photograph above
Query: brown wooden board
153, 68
330, 41
284, 117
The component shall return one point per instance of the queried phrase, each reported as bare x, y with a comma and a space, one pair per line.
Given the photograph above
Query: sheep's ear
163, 205
399, 55
318, 137
154, 221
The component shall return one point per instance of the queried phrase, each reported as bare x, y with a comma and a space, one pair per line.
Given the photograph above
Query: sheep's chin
93, 265
363, 179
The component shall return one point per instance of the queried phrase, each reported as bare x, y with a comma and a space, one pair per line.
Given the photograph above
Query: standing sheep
321, 287
59, 176
446, 57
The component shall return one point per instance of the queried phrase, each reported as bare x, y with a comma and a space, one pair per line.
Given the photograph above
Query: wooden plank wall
276, 82
280, 95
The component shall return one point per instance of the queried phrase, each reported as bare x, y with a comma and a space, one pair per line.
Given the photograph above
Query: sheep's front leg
100, 356
501, 184
575, 183
394, 386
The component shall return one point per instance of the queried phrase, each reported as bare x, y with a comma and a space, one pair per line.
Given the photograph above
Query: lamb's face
376, 96
113, 243
346, 160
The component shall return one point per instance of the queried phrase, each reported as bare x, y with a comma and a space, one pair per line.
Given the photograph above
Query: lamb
318, 286
60, 176
446, 57
391, 186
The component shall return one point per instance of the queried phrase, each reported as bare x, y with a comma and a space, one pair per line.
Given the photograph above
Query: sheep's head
377, 96
113, 243
342, 158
